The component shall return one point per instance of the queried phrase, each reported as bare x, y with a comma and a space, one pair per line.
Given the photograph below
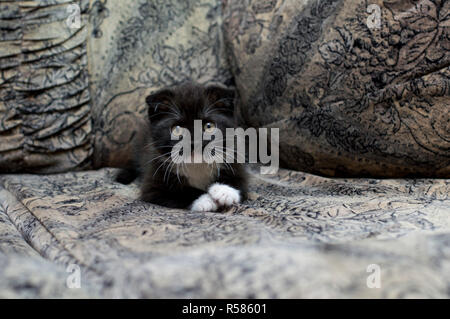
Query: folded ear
160, 104
220, 98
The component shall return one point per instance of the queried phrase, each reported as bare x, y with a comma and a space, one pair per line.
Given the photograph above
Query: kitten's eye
209, 127
177, 130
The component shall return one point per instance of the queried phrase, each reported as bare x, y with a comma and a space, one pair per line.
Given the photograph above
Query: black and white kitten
196, 186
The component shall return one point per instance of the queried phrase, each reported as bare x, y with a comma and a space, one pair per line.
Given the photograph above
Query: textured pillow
137, 47
356, 87
71, 99
45, 119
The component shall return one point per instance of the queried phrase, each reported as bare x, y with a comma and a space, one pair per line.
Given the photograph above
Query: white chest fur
199, 175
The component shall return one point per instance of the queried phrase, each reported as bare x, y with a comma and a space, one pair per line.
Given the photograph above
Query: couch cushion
137, 47
298, 235
352, 94
71, 99
45, 110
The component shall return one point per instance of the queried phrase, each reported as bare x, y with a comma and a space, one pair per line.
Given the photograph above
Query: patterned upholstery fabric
349, 100
137, 47
298, 235
352, 95
45, 110
71, 98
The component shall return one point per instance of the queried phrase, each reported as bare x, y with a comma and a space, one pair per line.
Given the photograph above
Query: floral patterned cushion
71, 98
357, 88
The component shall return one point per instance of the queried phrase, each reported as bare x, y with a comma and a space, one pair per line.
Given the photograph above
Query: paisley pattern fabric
357, 88
298, 235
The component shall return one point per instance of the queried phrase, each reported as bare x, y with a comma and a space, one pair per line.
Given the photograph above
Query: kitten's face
175, 109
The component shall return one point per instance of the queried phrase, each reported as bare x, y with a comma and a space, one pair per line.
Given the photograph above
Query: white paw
204, 204
224, 195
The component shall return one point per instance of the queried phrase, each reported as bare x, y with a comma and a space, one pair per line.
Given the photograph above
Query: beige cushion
350, 97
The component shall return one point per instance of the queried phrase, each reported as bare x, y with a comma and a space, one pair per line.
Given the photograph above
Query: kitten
165, 181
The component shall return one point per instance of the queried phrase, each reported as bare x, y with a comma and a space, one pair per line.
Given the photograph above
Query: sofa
359, 91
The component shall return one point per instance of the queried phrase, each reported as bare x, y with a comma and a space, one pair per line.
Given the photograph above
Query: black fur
158, 184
